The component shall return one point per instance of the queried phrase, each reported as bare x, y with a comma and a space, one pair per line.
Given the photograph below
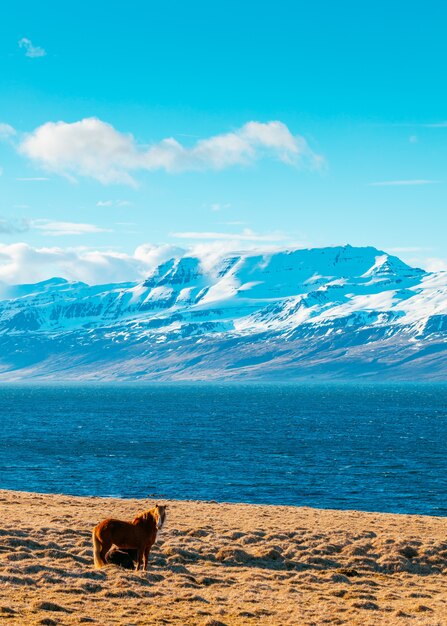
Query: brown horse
139, 534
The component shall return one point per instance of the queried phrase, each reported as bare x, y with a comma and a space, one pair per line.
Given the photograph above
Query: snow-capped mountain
333, 312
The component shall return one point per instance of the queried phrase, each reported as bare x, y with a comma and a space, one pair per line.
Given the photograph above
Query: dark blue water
371, 447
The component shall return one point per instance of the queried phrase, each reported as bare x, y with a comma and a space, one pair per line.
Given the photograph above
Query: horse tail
97, 551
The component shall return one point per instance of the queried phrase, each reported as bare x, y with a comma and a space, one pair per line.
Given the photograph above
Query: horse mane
145, 516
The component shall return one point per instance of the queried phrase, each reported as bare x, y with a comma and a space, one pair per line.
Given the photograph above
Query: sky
132, 132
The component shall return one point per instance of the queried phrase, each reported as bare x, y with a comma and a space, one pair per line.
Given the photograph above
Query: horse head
160, 515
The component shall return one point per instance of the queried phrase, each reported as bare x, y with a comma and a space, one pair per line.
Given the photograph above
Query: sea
371, 447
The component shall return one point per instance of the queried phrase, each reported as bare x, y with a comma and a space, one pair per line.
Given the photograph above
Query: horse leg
140, 552
105, 547
147, 549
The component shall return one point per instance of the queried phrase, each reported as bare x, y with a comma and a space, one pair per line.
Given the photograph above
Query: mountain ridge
338, 312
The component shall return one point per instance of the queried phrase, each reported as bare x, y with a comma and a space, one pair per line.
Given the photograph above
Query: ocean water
367, 447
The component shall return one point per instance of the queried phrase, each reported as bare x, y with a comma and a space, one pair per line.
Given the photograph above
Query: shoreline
161, 498
222, 564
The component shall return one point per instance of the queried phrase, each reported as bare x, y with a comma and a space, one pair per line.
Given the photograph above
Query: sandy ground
222, 564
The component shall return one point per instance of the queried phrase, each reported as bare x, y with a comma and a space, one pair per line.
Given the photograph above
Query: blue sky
90, 92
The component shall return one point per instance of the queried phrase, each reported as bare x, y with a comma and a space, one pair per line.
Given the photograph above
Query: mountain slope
329, 312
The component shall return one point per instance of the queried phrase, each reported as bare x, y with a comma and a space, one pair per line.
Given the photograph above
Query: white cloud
419, 256
120, 203
397, 183
22, 263
13, 226
441, 124
47, 227
95, 149
407, 249
152, 255
33, 179
246, 235
218, 206
55, 228
434, 264
30, 50
435, 125
6, 131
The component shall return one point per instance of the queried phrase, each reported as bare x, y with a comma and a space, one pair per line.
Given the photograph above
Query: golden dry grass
221, 564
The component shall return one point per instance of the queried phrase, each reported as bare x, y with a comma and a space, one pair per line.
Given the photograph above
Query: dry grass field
222, 564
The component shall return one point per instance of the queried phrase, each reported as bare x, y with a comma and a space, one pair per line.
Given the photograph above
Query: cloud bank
95, 149
23, 263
